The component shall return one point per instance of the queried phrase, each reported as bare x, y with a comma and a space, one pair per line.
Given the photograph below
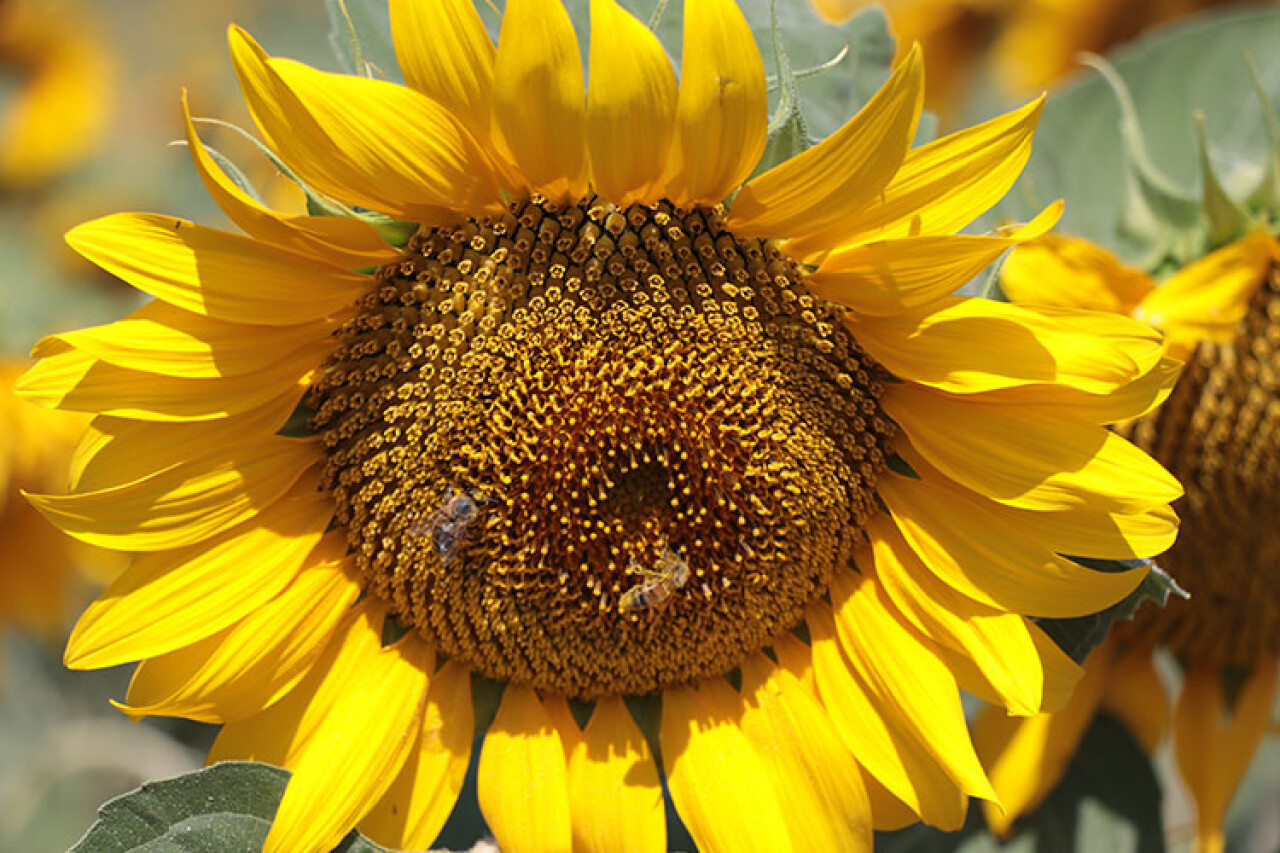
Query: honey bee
670, 573
448, 524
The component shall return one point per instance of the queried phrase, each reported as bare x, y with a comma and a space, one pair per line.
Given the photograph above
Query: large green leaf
1195, 66
226, 808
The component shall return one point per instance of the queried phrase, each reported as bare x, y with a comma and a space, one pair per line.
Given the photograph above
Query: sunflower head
592, 435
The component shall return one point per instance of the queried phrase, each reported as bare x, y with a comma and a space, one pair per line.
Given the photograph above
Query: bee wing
423, 526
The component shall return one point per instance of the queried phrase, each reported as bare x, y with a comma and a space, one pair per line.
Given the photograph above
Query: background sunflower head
1215, 434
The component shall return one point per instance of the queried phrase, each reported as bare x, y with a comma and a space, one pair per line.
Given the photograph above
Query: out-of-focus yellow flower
57, 110
36, 561
1024, 45
1219, 433
584, 439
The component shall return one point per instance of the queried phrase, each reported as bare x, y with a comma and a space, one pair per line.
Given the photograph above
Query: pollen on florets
529, 416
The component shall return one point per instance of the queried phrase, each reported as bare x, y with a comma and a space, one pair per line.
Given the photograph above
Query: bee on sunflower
388, 500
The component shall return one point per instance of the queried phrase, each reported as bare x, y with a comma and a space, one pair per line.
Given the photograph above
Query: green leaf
360, 33
226, 808
1198, 65
1108, 799
1080, 635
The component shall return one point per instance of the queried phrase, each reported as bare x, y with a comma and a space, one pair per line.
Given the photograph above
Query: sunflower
652, 497
37, 563
56, 113
1025, 44
1219, 432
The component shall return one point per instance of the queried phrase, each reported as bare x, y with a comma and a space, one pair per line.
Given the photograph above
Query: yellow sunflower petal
332, 130
539, 109
77, 382
413, 810
1014, 572
721, 789
1026, 756
557, 708
147, 610
890, 754
447, 55
364, 739
181, 504
887, 811
721, 113
523, 778
1083, 530
1125, 403
280, 734
964, 345
1214, 745
1028, 458
159, 338
631, 104
1206, 299
905, 678
1061, 677
615, 797
893, 276
815, 192
796, 658
341, 241
117, 451
945, 185
1134, 694
252, 664
1068, 272
825, 803
214, 273
998, 643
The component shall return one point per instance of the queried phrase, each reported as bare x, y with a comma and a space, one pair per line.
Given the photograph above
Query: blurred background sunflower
1219, 433
1209, 279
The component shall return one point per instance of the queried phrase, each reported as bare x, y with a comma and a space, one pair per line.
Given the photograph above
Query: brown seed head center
595, 450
